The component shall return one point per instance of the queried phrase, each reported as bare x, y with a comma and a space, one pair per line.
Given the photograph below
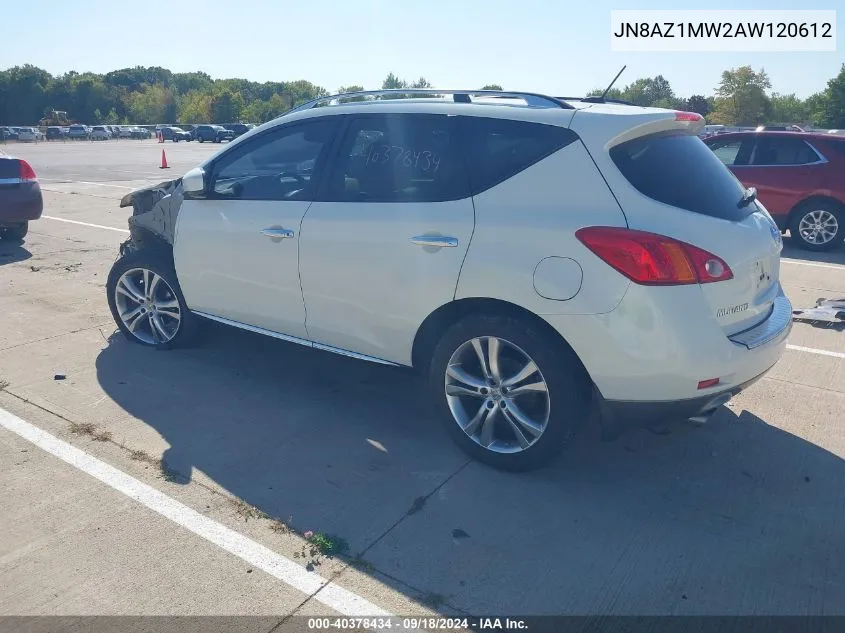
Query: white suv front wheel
147, 303
507, 395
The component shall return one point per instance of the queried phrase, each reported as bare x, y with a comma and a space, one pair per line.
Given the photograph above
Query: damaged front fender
154, 213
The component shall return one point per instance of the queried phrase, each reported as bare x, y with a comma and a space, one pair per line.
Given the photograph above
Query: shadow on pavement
834, 256
11, 252
735, 517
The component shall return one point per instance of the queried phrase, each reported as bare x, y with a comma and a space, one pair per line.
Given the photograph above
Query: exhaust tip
710, 408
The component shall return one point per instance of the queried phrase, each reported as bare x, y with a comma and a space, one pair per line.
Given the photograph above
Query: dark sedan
20, 197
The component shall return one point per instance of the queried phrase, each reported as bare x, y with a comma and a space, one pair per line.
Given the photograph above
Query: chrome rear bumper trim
775, 328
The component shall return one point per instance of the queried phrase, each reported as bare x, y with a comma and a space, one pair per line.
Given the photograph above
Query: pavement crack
804, 384
48, 338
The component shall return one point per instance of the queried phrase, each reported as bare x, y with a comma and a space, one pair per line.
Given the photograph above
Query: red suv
800, 179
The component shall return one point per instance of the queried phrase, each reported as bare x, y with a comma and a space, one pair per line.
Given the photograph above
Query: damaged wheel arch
155, 210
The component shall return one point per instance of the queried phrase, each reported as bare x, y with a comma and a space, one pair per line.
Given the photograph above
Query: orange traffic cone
163, 161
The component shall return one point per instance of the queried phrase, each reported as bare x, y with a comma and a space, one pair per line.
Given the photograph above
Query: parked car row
24, 134
106, 132
75, 131
204, 132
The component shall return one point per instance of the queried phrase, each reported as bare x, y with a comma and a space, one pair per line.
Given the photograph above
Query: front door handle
440, 241
277, 233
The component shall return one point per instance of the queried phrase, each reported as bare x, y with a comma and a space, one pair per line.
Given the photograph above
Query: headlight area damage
153, 220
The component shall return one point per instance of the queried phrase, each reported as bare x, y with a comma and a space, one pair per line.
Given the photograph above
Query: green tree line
156, 95
742, 98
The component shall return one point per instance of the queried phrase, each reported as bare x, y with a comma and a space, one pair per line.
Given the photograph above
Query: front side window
783, 151
278, 165
399, 158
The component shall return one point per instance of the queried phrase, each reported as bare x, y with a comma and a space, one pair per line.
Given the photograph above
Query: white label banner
723, 31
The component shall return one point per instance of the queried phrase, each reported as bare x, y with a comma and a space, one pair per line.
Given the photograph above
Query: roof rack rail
598, 99
458, 96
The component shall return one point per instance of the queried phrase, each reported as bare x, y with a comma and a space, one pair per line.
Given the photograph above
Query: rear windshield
681, 171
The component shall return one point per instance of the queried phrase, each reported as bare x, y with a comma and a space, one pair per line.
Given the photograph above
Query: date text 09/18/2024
421, 623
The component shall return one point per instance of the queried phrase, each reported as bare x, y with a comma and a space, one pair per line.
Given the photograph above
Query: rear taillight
27, 173
651, 259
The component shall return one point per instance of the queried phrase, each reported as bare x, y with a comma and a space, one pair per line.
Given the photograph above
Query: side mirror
194, 182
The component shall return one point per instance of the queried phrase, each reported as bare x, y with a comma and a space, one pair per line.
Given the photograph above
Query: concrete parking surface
741, 516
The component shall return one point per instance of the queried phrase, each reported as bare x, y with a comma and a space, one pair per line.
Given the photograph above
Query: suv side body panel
367, 281
533, 216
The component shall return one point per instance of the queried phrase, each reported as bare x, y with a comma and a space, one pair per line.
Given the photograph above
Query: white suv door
382, 246
236, 246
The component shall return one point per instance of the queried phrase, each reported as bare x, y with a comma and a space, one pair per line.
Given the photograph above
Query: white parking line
813, 264
813, 350
341, 600
86, 182
96, 226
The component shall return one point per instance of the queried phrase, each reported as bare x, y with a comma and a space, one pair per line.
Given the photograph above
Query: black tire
14, 233
162, 265
808, 208
569, 393
199, 139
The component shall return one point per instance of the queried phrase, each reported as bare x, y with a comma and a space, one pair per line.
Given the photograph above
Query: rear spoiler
657, 121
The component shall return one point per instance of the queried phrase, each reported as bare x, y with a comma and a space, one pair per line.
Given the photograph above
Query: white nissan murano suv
535, 258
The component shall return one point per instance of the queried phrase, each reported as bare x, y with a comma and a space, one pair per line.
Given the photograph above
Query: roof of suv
608, 122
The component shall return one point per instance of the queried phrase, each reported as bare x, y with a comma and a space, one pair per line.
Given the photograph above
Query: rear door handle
277, 233
440, 241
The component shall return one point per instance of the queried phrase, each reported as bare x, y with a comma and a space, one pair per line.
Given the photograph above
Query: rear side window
399, 158
783, 151
681, 171
497, 149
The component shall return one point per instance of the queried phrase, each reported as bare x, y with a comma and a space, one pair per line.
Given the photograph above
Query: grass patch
3, 384
83, 428
329, 544
141, 456
102, 436
279, 527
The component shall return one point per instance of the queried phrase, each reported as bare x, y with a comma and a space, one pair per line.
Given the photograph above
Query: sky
559, 47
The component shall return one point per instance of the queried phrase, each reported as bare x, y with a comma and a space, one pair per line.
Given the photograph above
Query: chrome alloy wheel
147, 306
497, 394
818, 227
